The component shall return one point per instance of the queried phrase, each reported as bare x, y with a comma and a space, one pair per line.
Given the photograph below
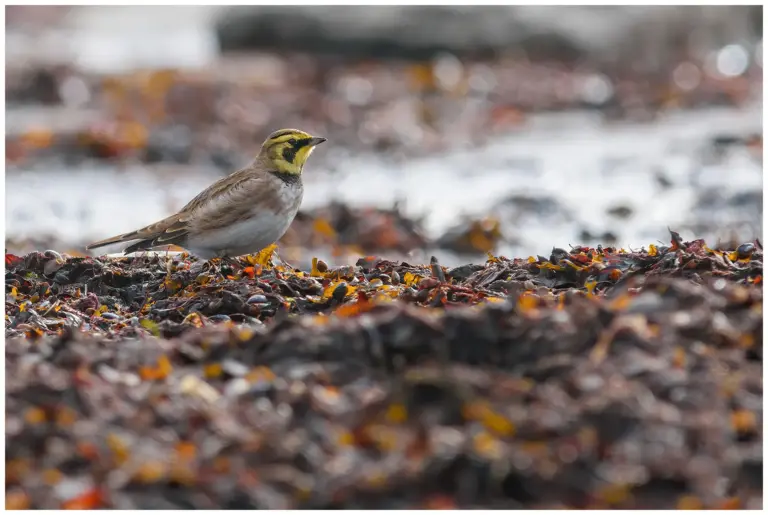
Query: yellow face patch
289, 149
303, 153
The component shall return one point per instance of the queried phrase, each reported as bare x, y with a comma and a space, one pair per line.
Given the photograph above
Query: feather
260, 193
175, 225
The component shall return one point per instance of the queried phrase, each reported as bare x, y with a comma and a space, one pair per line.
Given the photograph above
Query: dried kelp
592, 378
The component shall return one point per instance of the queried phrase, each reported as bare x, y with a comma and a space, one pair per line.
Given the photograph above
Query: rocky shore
590, 378
349, 370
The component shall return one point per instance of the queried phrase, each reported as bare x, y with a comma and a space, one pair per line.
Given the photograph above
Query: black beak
316, 141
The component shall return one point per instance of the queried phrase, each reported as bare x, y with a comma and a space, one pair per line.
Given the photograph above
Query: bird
239, 214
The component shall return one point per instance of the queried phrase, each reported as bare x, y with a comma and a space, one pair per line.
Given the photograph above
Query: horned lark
238, 214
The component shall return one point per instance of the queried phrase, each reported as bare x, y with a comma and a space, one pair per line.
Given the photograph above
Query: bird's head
287, 150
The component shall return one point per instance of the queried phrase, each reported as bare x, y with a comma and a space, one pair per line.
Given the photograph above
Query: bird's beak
316, 141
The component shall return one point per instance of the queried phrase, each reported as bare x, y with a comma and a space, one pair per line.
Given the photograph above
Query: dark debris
586, 379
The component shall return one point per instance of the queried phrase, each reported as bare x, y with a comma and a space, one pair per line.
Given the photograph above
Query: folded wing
169, 231
221, 203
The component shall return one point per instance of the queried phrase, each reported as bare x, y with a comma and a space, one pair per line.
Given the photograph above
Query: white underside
244, 237
264, 228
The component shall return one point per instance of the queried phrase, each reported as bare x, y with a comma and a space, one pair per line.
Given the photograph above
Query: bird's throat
288, 178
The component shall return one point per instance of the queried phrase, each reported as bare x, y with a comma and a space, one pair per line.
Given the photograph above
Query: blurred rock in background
643, 35
541, 32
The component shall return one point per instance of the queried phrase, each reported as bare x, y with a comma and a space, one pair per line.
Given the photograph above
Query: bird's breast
263, 224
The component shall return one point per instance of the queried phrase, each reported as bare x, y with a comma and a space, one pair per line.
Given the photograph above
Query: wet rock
620, 212
607, 237
463, 272
412, 32
472, 236
517, 208
257, 299
418, 32
374, 230
662, 180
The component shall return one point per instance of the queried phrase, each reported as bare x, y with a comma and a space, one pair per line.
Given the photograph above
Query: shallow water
587, 167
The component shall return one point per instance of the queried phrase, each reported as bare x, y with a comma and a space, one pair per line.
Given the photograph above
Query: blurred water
586, 167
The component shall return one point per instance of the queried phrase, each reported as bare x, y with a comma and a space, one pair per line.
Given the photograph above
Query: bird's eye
292, 141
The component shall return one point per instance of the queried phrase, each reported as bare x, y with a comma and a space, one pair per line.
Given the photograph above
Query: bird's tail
128, 236
171, 230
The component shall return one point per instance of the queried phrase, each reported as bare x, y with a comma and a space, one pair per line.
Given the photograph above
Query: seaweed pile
592, 378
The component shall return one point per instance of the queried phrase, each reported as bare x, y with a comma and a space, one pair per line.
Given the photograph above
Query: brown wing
164, 232
238, 203
174, 229
224, 186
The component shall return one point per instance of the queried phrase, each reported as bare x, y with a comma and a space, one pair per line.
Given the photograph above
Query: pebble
52, 265
745, 250
340, 292
234, 368
257, 299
